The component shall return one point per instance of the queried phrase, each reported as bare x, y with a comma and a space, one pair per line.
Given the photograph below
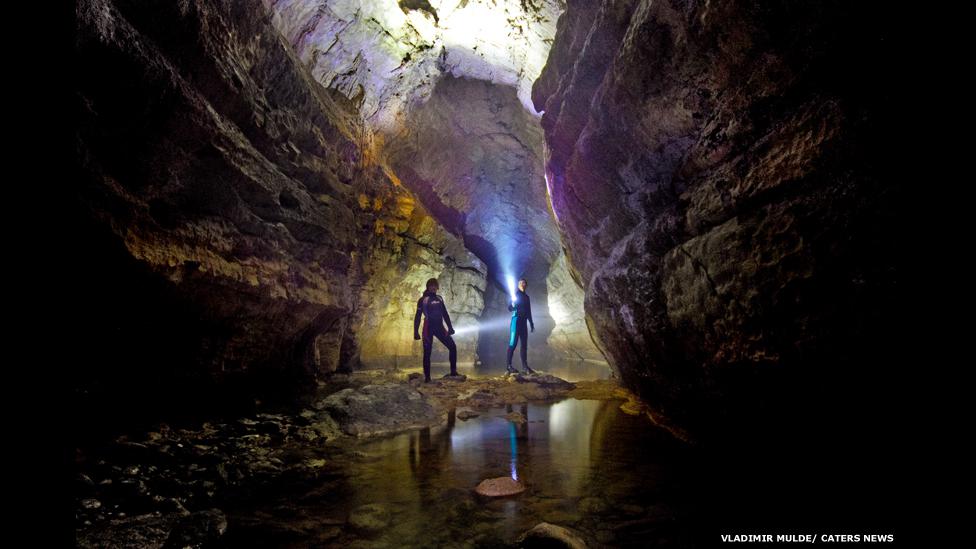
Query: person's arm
528, 311
511, 306
447, 317
416, 319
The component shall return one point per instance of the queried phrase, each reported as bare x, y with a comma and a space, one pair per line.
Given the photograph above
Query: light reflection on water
585, 464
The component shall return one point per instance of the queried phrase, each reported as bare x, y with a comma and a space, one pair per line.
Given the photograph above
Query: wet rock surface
499, 487
168, 472
570, 337
247, 208
168, 486
714, 177
379, 409
167, 531
498, 391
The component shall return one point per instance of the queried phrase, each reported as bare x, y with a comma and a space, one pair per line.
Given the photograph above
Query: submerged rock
369, 518
544, 534
499, 487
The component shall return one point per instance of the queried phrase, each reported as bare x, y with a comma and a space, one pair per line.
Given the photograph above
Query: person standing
521, 308
432, 307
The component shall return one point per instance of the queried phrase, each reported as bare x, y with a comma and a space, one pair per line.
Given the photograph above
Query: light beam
511, 287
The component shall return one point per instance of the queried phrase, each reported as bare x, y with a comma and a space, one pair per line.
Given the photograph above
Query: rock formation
473, 156
458, 127
387, 57
712, 167
235, 219
262, 190
246, 226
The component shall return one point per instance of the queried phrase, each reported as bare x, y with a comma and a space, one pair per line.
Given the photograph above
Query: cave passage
694, 193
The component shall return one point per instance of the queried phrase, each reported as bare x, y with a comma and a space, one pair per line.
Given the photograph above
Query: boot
510, 370
526, 370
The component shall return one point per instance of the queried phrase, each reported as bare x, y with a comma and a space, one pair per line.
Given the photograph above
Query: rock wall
387, 57
420, 250
570, 336
472, 155
229, 217
714, 170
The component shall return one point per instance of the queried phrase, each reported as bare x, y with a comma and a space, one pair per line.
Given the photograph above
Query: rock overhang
387, 56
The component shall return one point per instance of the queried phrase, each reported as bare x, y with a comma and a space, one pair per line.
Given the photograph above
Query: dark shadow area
143, 352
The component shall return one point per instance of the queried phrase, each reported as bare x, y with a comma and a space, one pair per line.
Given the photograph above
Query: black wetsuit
432, 307
521, 318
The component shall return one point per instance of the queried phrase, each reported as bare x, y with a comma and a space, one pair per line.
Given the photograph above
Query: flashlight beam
511, 287
494, 324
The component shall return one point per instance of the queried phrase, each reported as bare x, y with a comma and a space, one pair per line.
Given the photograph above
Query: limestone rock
414, 249
570, 338
715, 186
243, 203
472, 155
379, 409
387, 59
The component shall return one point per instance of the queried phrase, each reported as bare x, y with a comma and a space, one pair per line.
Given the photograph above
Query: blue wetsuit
521, 319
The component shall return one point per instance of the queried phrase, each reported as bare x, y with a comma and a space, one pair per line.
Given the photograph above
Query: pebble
91, 503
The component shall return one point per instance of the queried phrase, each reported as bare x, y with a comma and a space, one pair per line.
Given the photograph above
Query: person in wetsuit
432, 307
521, 309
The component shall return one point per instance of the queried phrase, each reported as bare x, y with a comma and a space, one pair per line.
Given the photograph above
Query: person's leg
512, 337
523, 352
508, 365
448, 342
428, 343
452, 349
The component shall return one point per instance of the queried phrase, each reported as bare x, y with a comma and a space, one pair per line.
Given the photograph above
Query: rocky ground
165, 486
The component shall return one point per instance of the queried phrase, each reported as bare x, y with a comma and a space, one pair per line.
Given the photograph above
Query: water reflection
585, 465
429, 450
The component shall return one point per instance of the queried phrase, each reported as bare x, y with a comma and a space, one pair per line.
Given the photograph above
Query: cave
694, 195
